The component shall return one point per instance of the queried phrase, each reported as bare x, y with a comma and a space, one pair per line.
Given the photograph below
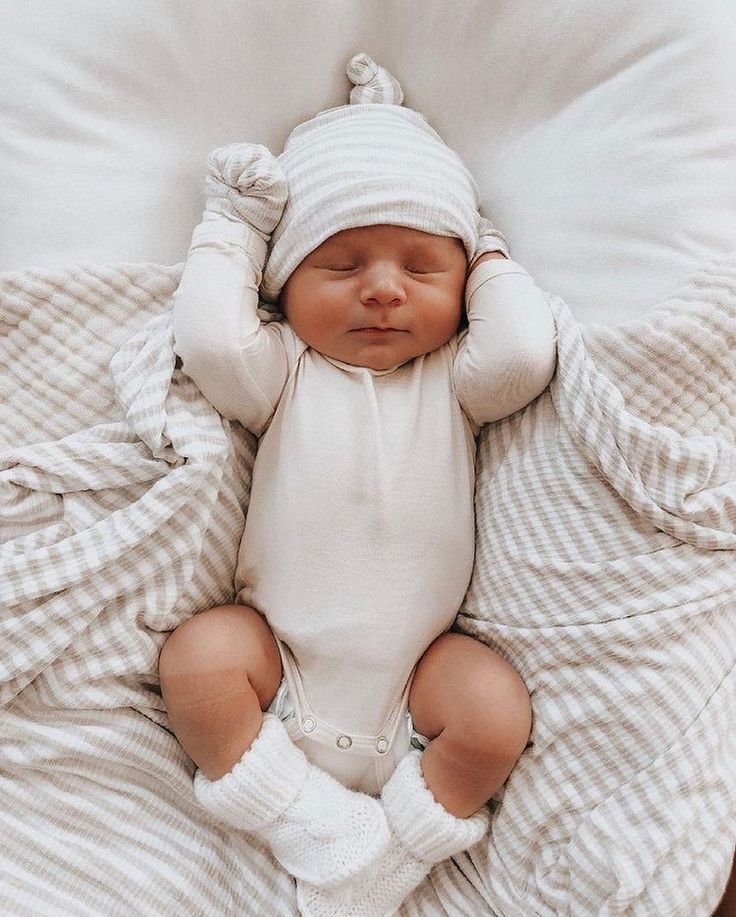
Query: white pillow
603, 136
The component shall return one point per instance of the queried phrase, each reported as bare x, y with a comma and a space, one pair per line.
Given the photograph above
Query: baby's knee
490, 705
228, 640
499, 707
474, 697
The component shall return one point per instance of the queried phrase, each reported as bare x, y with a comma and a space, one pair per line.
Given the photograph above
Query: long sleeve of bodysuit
239, 364
508, 354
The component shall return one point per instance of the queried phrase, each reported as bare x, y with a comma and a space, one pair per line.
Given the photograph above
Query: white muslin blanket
605, 571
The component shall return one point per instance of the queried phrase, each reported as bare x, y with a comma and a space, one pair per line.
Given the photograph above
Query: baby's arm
508, 355
239, 365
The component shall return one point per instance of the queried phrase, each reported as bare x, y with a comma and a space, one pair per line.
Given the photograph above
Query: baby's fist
245, 182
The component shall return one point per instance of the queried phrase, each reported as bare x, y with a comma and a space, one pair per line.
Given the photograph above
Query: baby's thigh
224, 643
464, 688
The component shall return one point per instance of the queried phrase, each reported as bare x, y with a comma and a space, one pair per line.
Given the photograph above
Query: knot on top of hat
372, 83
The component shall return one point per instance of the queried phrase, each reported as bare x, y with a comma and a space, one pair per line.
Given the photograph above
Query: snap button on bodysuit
308, 724
344, 742
381, 745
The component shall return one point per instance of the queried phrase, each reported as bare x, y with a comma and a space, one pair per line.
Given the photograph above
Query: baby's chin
374, 364
377, 358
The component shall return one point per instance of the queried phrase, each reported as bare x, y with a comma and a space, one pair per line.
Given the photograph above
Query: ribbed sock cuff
425, 827
261, 785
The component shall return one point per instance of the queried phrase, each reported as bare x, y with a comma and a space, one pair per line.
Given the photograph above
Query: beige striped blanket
605, 571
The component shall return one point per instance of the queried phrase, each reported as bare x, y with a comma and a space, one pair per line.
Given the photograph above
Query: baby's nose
384, 285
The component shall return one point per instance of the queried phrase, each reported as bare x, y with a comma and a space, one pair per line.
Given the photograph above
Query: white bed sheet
603, 135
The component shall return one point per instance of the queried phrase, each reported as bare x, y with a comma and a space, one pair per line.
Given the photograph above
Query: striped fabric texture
605, 571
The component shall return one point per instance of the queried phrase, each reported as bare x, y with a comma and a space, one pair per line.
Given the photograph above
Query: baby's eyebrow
417, 248
329, 254
423, 248
428, 251
335, 245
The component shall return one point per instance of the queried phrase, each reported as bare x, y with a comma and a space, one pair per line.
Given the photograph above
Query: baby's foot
329, 834
378, 891
320, 831
423, 833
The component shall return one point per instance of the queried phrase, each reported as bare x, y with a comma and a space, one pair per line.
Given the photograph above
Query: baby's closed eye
425, 262
425, 269
342, 267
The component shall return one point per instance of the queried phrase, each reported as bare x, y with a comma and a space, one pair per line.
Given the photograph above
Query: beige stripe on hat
370, 162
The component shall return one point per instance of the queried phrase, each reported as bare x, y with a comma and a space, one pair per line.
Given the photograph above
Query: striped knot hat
371, 161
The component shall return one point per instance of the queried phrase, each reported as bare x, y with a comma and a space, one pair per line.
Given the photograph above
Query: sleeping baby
330, 710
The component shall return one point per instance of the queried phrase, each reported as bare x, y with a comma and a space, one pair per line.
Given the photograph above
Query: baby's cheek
452, 316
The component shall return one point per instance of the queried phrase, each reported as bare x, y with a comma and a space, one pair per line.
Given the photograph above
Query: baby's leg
218, 671
475, 708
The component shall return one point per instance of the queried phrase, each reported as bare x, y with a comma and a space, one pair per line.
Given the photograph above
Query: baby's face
378, 296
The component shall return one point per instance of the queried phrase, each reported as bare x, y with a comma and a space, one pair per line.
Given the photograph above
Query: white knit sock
423, 833
320, 831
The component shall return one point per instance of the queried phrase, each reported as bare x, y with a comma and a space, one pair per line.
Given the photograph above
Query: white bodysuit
359, 539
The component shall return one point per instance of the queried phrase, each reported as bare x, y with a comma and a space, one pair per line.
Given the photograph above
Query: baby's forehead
389, 234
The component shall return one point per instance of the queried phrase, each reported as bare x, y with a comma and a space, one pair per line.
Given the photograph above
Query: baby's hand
246, 183
490, 241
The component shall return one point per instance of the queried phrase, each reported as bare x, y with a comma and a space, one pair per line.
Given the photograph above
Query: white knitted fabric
423, 833
366, 163
245, 184
320, 831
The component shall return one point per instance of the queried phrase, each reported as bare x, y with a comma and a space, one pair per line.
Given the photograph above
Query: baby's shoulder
294, 346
